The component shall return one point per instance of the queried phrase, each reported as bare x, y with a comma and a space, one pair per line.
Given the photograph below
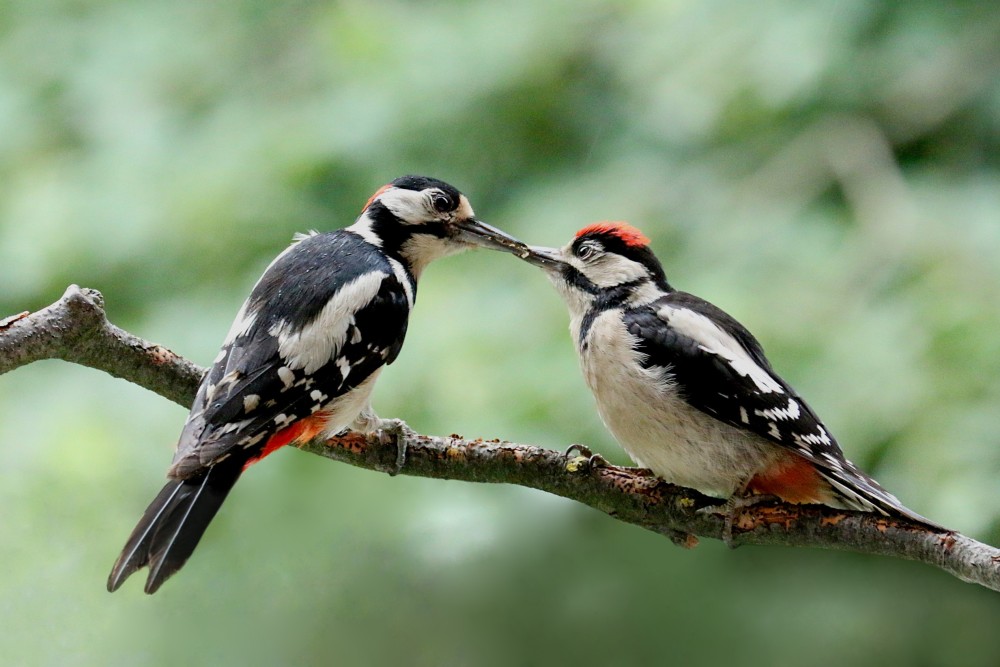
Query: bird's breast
653, 423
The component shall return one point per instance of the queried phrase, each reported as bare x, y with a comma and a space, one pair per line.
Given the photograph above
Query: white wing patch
404, 280
344, 366
250, 402
714, 340
779, 414
244, 320
314, 345
812, 439
241, 325
286, 376
284, 420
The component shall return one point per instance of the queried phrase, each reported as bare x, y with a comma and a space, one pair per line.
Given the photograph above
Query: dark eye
585, 251
441, 202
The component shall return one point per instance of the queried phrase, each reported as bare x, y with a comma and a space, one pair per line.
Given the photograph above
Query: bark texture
76, 329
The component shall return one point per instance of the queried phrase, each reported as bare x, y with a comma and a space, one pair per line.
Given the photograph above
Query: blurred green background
825, 171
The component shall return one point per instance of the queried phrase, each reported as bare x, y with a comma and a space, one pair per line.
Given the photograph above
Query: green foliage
827, 172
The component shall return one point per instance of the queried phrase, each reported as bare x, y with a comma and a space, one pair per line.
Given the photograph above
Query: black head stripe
581, 282
607, 299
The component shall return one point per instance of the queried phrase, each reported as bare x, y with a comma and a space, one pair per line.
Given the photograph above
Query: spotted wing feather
722, 371
254, 388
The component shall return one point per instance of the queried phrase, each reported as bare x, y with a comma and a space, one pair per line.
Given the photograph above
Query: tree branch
76, 329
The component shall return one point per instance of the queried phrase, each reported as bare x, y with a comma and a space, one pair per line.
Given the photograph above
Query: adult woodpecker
686, 389
303, 355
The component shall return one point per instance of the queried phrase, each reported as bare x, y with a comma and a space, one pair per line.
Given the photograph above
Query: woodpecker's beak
549, 259
480, 234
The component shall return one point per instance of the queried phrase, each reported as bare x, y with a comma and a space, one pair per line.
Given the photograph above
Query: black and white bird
686, 389
303, 355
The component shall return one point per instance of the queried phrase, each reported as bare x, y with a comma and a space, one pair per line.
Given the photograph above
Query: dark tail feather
172, 525
861, 492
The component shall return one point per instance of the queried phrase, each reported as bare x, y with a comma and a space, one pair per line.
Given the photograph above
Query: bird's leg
598, 461
388, 430
732, 507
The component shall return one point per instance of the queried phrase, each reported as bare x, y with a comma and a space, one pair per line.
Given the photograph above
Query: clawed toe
582, 450
395, 431
593, 461
597, 461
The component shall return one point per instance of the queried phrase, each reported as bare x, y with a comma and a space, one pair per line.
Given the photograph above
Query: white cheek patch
714, 340
613, 270
409, 206
314, 345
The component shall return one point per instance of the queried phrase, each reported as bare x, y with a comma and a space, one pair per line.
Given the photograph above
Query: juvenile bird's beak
480, 234
549, 259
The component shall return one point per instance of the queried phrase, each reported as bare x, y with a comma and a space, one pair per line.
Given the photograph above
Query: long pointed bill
479, 233
549, 259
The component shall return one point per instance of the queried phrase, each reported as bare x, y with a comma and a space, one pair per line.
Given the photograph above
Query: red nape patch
794, 480
628, 234
375, 196
300, 431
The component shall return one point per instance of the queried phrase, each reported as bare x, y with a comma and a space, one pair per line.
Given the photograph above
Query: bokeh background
826, 171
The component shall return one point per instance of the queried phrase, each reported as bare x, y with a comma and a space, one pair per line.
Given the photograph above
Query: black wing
720, 369
352, 311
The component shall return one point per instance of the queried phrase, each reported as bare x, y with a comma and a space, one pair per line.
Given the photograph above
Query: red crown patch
375, 196
628, 234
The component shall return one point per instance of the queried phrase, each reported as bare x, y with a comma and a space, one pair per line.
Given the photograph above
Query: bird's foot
593, 460
581, 450
388, 431
396, 430
731, 509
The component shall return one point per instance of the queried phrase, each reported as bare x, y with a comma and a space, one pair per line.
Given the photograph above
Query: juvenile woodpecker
686, 389
303, 355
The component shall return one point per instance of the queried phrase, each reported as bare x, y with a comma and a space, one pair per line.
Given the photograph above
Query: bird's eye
441, 202
585, 251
